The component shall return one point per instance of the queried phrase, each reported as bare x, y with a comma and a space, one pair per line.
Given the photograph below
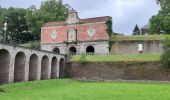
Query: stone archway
4, 66
54, 68
90, 50
44, 67
72, 50
56, 50
61, 68
33, 67
19, 68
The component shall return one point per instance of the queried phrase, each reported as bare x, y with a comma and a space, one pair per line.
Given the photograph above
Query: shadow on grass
2, 90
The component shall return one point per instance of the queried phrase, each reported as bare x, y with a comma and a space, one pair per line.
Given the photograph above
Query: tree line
25, 23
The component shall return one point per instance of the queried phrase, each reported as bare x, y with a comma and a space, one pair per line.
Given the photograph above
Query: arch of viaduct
19, 64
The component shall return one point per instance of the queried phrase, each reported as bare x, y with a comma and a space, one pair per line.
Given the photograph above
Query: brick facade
75, 32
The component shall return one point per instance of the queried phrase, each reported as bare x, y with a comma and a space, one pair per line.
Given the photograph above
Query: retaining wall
103, 71
131, 47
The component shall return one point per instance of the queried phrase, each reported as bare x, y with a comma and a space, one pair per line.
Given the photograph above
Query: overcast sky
125, 13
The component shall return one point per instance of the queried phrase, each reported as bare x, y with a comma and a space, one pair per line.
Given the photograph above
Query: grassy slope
74, 90
143, 57
139, 37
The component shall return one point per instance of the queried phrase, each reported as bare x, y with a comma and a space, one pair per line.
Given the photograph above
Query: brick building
76, 35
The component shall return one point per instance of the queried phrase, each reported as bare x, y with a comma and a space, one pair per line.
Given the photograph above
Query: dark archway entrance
54, 68
44, 67
72, 50
4, 66
90, 50
33, 67
62, 68
56, 50
19, 68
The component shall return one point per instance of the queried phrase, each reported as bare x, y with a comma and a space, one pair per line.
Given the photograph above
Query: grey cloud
125, 13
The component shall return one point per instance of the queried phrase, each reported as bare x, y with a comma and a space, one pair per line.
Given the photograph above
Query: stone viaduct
18, 64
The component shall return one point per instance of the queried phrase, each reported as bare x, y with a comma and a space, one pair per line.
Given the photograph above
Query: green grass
139, 37
69, 89
143, 57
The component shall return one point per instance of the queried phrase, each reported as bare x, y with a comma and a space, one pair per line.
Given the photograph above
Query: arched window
56, 50
90, 50
72, 50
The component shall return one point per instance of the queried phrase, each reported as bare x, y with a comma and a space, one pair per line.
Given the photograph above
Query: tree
156, 25
161, 21
136, 30
165, 57
50, 10
17, 26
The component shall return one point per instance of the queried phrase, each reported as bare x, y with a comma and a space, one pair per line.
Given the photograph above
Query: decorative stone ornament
54, 35
72, 35
91, 32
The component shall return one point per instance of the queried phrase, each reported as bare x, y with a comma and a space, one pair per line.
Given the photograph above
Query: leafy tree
50, 10
161, 21
17, 26
136, 30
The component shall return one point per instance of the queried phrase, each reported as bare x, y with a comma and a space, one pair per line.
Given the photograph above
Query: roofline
79, 22
97, 17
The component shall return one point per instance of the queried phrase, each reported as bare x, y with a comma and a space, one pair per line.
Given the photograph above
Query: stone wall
100, 47
18, 64
100, 71
131, 47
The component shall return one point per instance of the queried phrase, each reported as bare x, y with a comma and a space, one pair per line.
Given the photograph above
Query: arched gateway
72, 50
54, 68
90, 50
19, 68
44, 67
4, 66
33, 67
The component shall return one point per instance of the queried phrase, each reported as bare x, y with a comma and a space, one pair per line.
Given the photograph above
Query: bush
165, 57
83, 58
32, 45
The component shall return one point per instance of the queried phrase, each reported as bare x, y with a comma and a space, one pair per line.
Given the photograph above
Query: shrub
83, 58
32, 45
165, 57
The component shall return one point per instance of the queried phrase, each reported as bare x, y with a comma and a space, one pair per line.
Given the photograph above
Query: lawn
143, 57
68, 89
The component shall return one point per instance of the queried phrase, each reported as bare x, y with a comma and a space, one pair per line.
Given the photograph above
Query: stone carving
91, 32
54, 35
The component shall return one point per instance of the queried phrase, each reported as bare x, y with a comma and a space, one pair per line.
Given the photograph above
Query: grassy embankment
139, 37
68, 89
143, 57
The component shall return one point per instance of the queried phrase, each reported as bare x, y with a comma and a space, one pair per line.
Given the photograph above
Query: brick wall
82, 34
